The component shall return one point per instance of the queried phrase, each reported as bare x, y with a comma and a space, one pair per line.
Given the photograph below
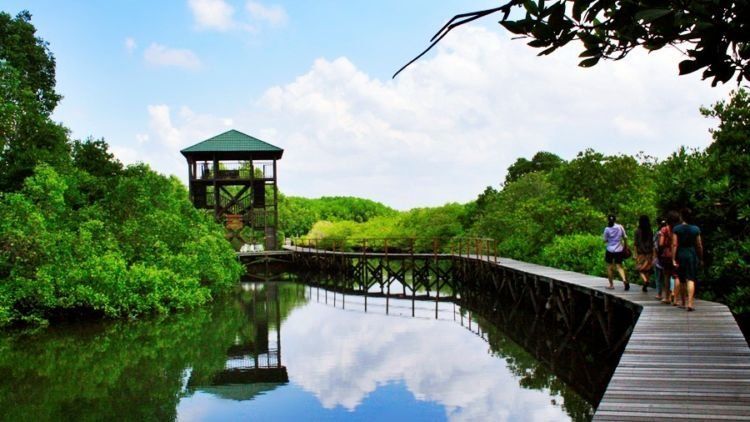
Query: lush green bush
530, 213
582, 253
141, 248
418, 226
297, 215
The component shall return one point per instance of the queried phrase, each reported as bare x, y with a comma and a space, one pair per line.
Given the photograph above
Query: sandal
610, 287
627, 286
666, 302
689, 309
644, 288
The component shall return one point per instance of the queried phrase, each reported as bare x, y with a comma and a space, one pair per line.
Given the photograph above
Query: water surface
283, 351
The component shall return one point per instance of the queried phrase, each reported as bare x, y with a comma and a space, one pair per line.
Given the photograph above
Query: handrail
461, 246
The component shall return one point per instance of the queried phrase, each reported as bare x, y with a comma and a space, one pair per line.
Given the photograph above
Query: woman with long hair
666, 259
687, 254
644, 249
615, 238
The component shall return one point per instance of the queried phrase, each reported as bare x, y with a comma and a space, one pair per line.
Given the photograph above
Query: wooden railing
460, 246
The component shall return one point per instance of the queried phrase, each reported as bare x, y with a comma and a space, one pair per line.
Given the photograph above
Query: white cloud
163, 56
124, 154
141, 138
274, 15
453, 369
453, 122
130, 44
190, 128
633, 127
212, 14
161, 124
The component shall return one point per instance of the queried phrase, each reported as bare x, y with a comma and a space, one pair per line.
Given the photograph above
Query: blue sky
314, 78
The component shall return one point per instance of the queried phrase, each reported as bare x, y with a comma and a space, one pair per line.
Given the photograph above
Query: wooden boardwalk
677, 365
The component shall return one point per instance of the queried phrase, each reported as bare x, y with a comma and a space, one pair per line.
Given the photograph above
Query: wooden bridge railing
461, 246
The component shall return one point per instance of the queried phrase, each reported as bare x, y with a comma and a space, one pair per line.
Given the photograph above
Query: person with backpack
615, 252
644, 250
665, 258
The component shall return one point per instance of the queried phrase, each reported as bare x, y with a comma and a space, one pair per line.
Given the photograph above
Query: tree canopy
713, 35
30, 55
79, 233
541, 161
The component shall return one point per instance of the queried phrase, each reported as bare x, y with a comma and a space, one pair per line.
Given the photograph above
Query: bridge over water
674, 364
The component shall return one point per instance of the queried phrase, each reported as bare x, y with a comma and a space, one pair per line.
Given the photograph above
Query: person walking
655, 258
644, 250
687, 254
665, 257
615, 239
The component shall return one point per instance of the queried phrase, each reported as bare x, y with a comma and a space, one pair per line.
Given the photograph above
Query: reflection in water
344, 357
253, 364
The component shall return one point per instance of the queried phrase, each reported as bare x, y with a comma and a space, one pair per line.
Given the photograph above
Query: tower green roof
233, 141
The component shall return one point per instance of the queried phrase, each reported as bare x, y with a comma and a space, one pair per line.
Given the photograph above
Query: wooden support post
214, 174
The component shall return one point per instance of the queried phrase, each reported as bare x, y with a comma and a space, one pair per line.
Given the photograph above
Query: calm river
284, 352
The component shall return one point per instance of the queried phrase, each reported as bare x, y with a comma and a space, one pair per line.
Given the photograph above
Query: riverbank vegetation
552, 211
80, 234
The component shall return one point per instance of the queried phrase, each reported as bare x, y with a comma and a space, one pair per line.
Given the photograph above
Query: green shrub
140, 248
582, 253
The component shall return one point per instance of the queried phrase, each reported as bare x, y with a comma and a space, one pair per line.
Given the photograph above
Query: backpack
665, 251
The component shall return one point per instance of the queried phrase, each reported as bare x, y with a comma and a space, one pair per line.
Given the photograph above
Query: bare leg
609, 274
691, 294
621, 271
678, 294
666, 292
644, 278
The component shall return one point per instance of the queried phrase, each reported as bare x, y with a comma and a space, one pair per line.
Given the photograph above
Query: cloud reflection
341, 357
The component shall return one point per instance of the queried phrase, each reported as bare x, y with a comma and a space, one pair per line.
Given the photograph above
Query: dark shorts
613, 257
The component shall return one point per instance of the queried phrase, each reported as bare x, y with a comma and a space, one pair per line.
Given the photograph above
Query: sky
314, 78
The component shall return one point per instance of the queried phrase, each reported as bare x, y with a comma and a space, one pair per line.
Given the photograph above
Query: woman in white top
615, 238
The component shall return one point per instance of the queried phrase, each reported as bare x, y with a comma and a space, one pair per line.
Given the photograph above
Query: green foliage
528, 214
27, 97
420, 224
713, 34
612, 184
142, 248
582, 253
93, 157
78, 233
542, 161
30, 55
297, 215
